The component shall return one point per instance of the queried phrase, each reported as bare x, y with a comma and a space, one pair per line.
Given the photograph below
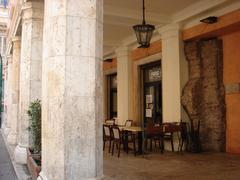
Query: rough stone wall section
203, 96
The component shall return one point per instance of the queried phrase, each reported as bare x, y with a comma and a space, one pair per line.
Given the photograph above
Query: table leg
140, 143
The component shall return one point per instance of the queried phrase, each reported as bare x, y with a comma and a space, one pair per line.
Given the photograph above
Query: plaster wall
231, 77
138, 57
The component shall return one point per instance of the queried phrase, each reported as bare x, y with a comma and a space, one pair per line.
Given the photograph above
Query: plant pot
33, 167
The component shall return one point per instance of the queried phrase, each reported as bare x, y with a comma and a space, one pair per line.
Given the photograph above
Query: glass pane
114, 103
114, 81
153, 74
149, 101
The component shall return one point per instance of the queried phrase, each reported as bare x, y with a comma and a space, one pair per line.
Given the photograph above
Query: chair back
128, 123
154, 130
106, 130
110, 121
171, 127
116, 133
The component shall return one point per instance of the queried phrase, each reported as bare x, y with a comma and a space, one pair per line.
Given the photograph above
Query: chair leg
162, 145
103, 145
172, 143
146, 143
110, 143
134, 147
181, 146
112, 148
119, 150
151, 144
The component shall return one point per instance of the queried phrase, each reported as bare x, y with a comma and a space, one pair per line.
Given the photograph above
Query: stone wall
203, 95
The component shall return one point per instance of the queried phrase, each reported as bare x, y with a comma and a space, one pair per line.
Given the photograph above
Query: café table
136, 130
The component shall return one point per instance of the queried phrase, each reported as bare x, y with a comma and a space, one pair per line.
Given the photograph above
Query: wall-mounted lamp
108, 60
209, 20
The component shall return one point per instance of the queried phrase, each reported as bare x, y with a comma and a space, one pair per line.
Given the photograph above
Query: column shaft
124, 75
72, 97
171, 89
7, 93
14, 92
30, 72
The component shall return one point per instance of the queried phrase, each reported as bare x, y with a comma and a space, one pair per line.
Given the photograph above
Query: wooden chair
128, 123
117, 139
169, 129
129, 138
121, 137
154, 133
110, 121
107, 136
184, 136
168, 134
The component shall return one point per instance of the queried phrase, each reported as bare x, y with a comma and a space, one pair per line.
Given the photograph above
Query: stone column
7, 92
72, 96
14, 91
124, 75
171, 89
30, 72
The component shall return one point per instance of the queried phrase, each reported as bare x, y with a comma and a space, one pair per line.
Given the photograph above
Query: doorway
152, 93
112, 79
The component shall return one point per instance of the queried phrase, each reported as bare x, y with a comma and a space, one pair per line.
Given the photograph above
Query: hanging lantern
144, 31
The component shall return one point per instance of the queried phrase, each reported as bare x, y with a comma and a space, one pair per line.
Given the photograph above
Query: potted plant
34, 153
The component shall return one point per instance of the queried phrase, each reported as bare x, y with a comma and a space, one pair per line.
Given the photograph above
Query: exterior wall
231, 76
137, 57
227, 29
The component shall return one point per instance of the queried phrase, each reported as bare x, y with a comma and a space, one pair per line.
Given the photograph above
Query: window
2, 45
112, 95
4, 3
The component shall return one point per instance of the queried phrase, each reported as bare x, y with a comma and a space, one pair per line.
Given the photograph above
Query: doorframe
137, 101
143, 85
110, 95
106, 91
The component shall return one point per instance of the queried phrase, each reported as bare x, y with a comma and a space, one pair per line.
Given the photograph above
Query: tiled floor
6, 168
171, 166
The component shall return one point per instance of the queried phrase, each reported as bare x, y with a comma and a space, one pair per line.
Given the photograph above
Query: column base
12, 138
20, 155
6, 131
43, 177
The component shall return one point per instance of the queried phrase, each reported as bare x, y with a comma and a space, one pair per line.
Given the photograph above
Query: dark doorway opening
112, 84
152, 93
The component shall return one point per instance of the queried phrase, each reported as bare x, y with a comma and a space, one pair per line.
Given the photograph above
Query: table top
132, 128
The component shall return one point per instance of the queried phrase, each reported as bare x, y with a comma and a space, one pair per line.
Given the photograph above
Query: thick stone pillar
14, 92
171, 89
30, 72
7, 93
72, 96
204, 95
124, 75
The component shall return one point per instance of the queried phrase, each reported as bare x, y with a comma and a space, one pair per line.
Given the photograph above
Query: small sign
149, 113
149, 99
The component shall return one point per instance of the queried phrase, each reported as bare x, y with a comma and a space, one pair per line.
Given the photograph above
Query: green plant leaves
34, 114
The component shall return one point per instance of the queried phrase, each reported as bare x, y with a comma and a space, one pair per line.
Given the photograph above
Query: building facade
84, 71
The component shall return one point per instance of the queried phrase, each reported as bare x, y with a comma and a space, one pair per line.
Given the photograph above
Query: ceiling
121, 15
